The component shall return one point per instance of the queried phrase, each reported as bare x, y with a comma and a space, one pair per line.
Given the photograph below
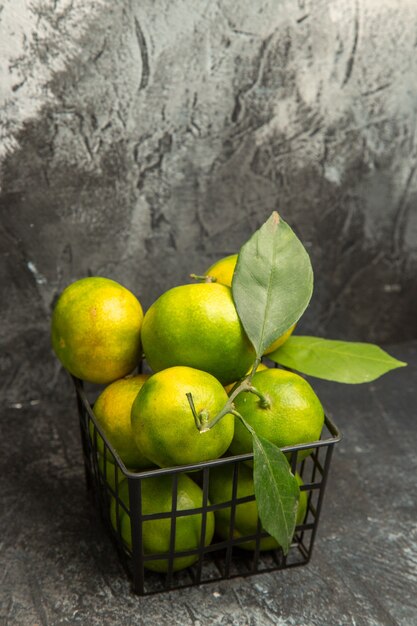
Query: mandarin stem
264, 403
205, 279
229, 407
193, 410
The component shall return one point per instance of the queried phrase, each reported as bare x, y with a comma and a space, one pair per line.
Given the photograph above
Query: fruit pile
208, 395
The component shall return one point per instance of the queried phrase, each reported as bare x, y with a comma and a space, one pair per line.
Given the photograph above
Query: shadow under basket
222, 558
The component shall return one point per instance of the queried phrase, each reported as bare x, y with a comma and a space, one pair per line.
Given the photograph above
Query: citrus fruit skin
163, 424
223, 271
198, 326
112, 410
157, 498
96, 330
295, 414
246, 514
281, 340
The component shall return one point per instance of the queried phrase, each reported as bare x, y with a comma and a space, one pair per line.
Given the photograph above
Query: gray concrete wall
144, 140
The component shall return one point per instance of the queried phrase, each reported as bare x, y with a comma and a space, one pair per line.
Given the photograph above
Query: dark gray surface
143, 140
58, 567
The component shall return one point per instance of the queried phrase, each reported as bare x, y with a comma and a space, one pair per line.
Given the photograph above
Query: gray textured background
144, 140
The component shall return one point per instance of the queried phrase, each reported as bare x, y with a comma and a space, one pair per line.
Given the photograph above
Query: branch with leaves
272, 287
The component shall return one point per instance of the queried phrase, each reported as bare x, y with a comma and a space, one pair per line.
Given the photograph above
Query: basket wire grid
222, 558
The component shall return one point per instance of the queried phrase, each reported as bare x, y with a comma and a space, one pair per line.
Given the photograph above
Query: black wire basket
223, 558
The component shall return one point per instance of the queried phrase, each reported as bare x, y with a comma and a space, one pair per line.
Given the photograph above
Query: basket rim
335, 437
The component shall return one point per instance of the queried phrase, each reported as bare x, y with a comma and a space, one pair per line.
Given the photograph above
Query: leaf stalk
201, 420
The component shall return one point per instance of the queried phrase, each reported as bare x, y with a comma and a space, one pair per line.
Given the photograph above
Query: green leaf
272, 283
276, 490
340, 361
